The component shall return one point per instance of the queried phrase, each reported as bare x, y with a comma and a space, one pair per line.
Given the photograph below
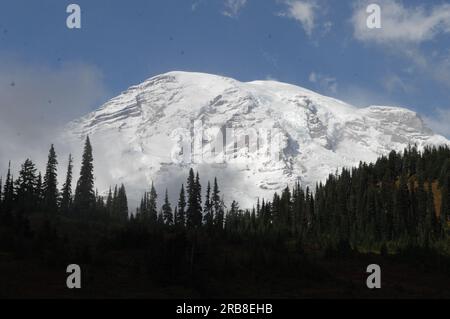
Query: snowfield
136, 134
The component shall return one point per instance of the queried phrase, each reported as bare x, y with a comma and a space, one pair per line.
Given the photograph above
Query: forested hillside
396, 208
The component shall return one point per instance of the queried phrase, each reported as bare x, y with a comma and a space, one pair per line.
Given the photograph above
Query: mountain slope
137, 135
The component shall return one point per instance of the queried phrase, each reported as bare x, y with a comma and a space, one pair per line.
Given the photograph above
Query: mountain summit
136, 135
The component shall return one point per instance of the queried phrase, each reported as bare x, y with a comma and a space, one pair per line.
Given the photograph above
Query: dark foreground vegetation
303, 243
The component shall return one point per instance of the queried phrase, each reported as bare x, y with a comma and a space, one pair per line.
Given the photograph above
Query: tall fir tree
39, 192
218, 206
180, 216
152, 205
208, 211
84, 201
167, 210
115, 203
122, 204
50, 185
109, 202
8, 191
194, 208
27, 192
66, 196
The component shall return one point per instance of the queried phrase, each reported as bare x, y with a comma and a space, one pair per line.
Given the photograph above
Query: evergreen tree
194, 209
160, 218
109, 202
167, 210
431, 225
66, 196
115, 203
180, 215
175, 216
232, 218
122, 204
421, 198
39, 192
50, 185
8, 191
152, 207
84, 201
208, 212
27, 188
218, 207
401, 207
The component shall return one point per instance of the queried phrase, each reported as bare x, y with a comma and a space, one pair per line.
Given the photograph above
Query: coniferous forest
302, 243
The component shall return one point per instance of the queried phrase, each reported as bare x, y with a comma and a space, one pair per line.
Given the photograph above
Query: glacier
134, 135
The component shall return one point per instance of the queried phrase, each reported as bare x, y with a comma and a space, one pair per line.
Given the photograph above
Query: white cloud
233, 7
312, 77
327, 26
324, 82
400, 23
439, 123
37, 100
392, 82
304, 12
196, 3
362, 96
403, 33
269, 77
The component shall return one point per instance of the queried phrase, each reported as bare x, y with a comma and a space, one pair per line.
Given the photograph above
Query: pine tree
175, 214
180, 215
431, 225
401, 207
84, 201
122, 204
8, 191
218, 206
167, 210
198, 193
421, 197
208, 212
115, 203
109, 202
66, 197
26, 187
194, 210
39, 192
232, 218
160, 218
50, 185
142, 212
152, 207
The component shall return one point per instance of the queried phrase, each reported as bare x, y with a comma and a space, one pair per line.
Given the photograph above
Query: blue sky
322, 45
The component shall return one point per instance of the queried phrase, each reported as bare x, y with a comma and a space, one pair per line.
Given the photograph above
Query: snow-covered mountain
137, 134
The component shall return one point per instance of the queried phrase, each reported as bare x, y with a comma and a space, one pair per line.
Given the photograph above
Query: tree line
31, 192
401, 199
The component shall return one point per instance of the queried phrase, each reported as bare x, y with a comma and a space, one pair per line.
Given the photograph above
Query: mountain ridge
319, 134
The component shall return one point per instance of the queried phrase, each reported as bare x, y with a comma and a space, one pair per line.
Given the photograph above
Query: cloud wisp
439, 122
233, 7
405, 31
305, 12
324, 82
401, 24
